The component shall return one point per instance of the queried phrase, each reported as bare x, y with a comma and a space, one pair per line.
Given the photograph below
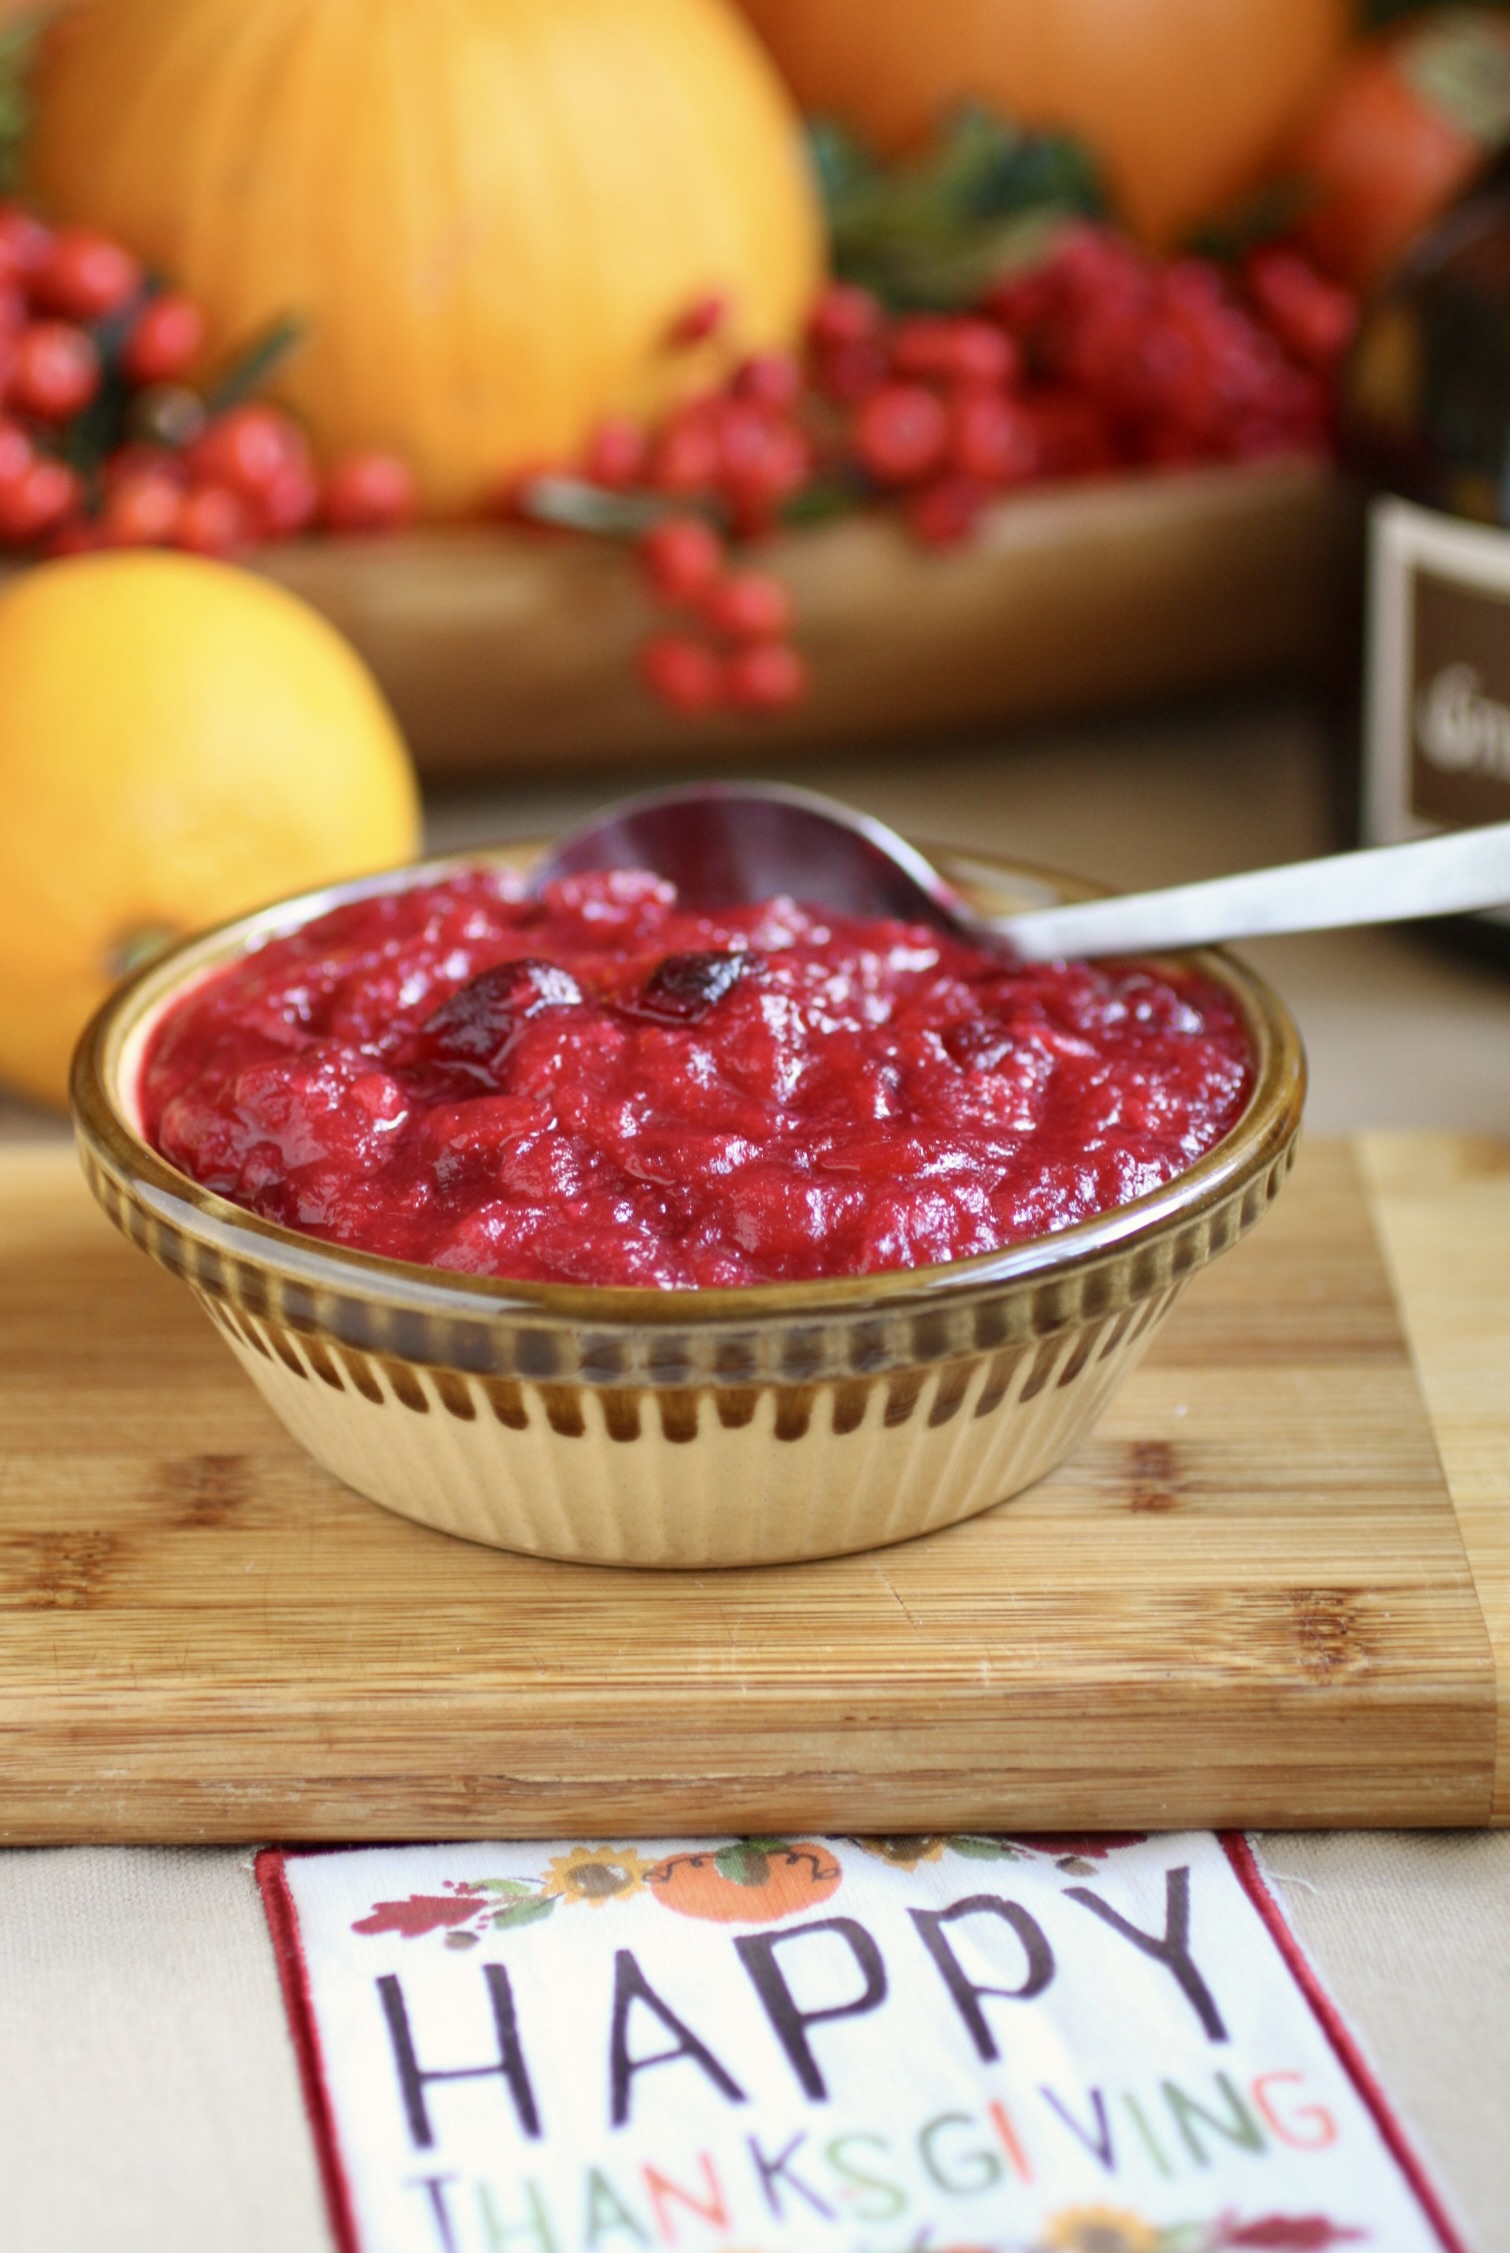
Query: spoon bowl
729, 844
726, 844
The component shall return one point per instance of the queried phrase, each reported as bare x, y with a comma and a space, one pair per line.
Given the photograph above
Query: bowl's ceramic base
692, 1478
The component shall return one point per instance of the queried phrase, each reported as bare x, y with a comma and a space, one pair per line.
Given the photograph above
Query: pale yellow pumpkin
488, 212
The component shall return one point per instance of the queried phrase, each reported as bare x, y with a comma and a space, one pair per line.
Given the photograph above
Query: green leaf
746, 1862
17, 48
461, 1939
934, 232
512, 1886
1229, 234
976, 1848
254, 364
525, 1912
579, 506
844, 167
836, 492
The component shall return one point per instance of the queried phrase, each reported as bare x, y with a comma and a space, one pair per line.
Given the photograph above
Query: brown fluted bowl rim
603, 1334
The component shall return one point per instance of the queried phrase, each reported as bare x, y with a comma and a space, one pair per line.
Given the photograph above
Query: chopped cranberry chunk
684, 987
489, 1008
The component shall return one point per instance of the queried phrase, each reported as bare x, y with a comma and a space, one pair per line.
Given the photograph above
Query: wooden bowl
502, 651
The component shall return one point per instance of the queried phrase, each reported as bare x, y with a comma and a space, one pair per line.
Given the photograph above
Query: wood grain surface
1443, 1203
1247, 1601
503, 650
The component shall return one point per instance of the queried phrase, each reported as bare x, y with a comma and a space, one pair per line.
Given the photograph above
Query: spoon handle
1469, 868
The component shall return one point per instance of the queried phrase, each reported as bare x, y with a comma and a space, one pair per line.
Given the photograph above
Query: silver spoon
725, 844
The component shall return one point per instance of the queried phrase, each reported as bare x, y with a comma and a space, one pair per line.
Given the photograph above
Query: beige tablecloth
148, 2095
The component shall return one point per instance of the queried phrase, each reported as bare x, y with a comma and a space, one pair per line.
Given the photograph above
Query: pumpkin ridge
255, 37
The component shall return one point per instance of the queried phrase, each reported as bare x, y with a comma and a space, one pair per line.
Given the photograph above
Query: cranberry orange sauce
599, 1086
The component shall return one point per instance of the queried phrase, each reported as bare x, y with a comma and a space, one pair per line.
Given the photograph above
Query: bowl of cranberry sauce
599, 1227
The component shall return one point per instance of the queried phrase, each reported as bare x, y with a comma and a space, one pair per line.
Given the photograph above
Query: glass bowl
684, 1428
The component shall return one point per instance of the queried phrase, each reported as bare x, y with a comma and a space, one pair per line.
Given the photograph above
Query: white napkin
920, 2045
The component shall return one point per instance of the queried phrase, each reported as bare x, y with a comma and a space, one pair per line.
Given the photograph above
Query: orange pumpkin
487, 212
1408, 120
1181, 99
752, 1882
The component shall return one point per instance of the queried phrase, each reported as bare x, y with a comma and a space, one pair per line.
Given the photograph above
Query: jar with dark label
1427, 411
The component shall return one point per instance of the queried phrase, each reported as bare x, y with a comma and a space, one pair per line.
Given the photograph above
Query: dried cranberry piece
684, 987
477, 1024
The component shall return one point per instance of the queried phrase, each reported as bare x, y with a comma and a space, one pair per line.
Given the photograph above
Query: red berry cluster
724, 465
749, 663
103, 442
1101, 358
1169, 363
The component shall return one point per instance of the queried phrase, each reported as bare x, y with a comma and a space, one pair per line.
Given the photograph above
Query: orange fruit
179, 742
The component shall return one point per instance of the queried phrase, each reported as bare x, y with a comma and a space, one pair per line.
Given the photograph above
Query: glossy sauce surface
600, 1087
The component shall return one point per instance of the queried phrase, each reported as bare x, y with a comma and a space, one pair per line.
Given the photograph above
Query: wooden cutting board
1273, 1588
